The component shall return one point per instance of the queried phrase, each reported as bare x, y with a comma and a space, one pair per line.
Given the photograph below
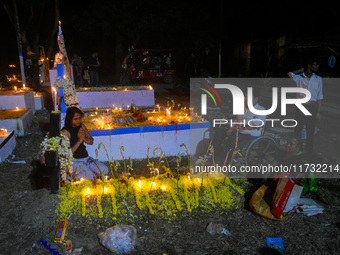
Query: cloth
88, 168
314, 85
81, 152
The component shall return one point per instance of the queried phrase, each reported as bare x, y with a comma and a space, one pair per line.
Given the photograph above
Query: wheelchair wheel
262, 150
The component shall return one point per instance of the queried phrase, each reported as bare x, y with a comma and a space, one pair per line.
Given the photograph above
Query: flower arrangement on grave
167, 196
70, 97
60, 144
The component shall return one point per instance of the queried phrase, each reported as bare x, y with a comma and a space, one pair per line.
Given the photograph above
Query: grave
18, 120
7, 144
21, 98
38, 101
136, 140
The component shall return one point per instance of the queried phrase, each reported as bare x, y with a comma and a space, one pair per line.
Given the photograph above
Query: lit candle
139, 184
168, 113
15, 89
24, 86
159, 109
55, 98
59, 27
153, 185
17, 108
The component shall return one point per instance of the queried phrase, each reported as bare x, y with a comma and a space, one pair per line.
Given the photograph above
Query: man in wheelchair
225, 139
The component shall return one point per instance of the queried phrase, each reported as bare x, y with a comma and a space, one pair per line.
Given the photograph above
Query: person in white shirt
306, 78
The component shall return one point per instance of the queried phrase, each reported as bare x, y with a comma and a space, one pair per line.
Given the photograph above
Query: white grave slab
136, 140
39, 102
20, 100
105, 98
19, 125
7, 145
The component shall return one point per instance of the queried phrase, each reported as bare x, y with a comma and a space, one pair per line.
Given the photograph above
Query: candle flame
139, 184
153, 185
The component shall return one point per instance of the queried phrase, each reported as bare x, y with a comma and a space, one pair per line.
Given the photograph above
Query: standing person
32, 70
84, 167
78, 67
306, 78
94, 69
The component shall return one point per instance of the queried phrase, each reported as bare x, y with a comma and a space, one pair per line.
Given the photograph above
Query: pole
21, 57
51, 157
220, 44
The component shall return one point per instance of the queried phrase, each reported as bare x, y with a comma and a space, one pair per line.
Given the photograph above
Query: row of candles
149, 87
16, 90
139, 184
139, 187
103, 120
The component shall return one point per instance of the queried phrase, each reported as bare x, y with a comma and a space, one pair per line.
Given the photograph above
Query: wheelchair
258, 150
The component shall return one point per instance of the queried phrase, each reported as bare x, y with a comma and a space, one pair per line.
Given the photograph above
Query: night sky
185, 26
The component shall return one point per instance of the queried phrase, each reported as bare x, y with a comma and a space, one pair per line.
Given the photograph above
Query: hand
81, 134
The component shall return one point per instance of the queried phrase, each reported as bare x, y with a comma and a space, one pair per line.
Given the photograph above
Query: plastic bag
286, 197
259, 205
119, 238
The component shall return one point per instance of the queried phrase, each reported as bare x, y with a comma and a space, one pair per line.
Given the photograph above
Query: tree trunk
17, 28
53, 35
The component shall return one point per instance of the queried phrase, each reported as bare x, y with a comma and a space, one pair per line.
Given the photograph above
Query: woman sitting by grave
85, 166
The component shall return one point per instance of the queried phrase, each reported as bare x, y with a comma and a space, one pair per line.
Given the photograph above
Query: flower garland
148, 202
99, 206
185, 193
164, 202
70, 96
174, 197
113, 203
137, 197
61, 144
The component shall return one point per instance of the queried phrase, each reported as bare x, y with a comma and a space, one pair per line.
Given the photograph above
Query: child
84, 167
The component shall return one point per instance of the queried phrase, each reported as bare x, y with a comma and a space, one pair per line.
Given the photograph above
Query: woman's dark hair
70, 112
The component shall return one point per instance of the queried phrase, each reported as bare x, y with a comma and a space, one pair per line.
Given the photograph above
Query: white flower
61, 144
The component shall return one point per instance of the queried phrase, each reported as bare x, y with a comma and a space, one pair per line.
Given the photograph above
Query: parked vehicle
150, 64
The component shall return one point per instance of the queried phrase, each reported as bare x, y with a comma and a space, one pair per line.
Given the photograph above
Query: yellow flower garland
161, 196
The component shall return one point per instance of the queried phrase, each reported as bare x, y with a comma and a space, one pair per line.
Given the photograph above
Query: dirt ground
28, 213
